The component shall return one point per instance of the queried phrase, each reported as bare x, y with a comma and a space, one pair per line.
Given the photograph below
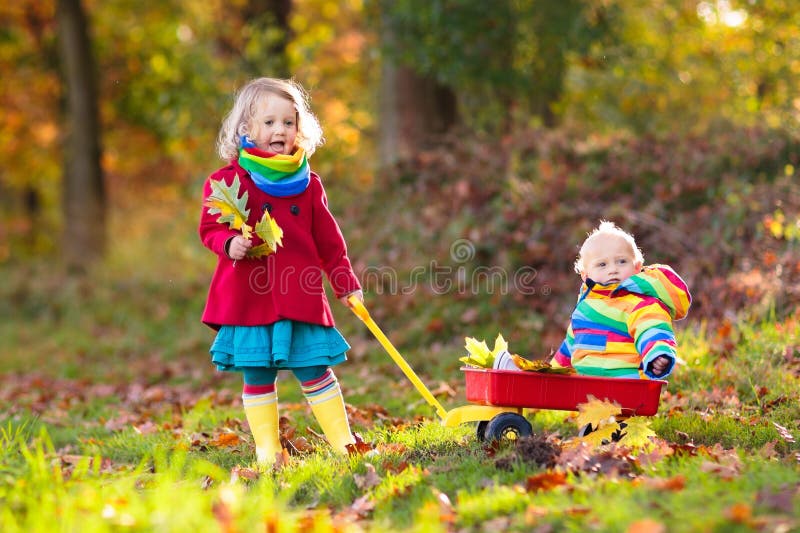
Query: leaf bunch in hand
226, 202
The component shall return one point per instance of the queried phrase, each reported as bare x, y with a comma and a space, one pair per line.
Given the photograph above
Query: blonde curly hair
234, 125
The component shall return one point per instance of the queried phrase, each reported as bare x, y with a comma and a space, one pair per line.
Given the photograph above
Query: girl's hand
659, 365
358, 294
237, 249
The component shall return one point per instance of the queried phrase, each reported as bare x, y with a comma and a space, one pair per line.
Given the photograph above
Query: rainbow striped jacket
616, 330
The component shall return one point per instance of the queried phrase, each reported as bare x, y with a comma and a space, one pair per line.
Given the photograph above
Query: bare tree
84, 195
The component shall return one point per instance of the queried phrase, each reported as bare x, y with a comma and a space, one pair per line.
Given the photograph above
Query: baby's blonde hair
608, 229
234, 125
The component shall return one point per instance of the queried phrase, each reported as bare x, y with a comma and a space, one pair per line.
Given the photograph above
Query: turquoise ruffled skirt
284, 344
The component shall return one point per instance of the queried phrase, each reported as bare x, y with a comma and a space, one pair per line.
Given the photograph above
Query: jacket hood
660, 281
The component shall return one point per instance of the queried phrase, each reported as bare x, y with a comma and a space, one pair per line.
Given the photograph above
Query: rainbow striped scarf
275, 174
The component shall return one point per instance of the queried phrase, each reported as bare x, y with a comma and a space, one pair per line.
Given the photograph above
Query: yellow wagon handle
361, 312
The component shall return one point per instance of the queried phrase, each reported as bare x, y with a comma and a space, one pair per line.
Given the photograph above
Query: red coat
286, 284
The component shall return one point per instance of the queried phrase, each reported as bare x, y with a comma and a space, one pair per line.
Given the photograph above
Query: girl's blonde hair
608, 229
234, 125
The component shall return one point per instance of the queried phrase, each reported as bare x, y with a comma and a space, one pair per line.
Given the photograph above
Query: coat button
295, 210
267, 207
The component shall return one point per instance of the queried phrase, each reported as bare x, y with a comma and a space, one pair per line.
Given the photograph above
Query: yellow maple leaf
596, 412
601, 435
637, 433
269, 231
260, 250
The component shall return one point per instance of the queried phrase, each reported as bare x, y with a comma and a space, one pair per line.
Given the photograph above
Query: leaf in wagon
479, 353
530, 365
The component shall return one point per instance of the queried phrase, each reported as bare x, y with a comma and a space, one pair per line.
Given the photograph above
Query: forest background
468, 152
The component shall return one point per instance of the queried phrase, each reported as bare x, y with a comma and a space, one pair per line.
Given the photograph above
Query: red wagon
498, 397
537, 390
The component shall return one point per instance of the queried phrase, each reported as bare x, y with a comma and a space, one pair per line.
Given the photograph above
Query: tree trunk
415, 110
84, 196
275, 14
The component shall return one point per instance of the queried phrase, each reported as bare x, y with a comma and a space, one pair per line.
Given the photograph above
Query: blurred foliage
722, 207
510, 59
167, 72
678, 120
687, 64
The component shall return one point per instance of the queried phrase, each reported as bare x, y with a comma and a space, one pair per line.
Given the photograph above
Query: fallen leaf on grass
282, 459
368, 480
224, 440
533, 513
725, 471
672, 484
447, 514
781, 500
545, 481
224, 517
444, 389
240, 472
740, 513
637, 433
768, 450
147, 428
359, 509
596, 411
601, 435
395, 468
655, 453
70, 461
296, 446
784, 433
359, 447
647, 525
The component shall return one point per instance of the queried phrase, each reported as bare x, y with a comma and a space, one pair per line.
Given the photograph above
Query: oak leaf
225, 201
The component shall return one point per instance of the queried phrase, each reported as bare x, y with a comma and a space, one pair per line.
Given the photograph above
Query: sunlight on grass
123, 415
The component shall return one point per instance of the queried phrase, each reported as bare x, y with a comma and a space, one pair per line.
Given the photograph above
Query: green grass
110, 411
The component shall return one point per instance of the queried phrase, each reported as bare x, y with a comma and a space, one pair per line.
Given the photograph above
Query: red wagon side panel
508, 388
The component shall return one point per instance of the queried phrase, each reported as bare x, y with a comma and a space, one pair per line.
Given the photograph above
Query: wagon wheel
480, 432
509, 426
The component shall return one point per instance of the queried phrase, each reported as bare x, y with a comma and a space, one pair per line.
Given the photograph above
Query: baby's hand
659, 365
237, 249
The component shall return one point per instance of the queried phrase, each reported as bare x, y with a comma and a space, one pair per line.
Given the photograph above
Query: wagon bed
509, 388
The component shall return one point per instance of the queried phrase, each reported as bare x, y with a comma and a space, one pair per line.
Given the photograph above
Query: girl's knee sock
325, 398
261, 409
